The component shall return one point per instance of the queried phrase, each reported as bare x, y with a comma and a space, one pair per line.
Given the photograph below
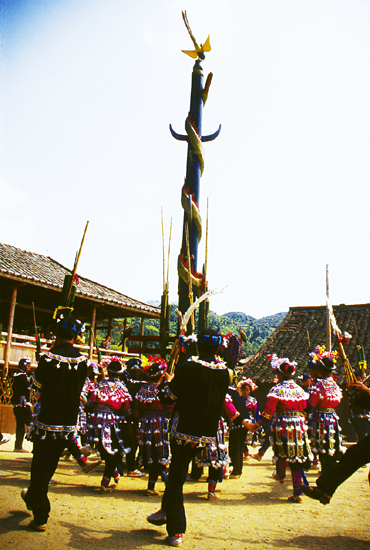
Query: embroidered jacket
112, 394
283, 397
325, 394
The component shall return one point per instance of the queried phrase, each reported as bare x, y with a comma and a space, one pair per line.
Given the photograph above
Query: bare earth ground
252, 512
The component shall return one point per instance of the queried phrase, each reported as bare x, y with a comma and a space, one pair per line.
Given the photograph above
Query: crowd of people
137, 416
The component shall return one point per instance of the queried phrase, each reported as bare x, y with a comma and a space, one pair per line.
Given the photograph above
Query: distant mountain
155, 303
256, 330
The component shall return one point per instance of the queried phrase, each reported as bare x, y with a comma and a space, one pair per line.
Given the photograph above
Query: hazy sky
88, 90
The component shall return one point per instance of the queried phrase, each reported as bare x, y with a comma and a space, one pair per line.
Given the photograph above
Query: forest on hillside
257, 330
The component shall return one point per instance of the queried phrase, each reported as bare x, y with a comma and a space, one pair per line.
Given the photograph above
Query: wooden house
30, 287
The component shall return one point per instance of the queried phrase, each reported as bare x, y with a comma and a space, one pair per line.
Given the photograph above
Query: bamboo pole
168, 255
76, 261
110, 325
10, 331
92, 331
142, 331
163, 254
328, 324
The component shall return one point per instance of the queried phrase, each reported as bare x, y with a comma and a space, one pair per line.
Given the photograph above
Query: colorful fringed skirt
153, 432
326, 432
290, 441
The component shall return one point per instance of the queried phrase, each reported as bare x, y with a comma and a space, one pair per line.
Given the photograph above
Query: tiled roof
44, 271
303, 329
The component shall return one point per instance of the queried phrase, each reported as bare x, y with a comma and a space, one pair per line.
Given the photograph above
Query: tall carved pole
194, 170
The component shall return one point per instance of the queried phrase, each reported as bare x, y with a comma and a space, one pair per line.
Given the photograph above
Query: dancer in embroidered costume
154, 418
198, 390
325, 396
238, 434
109, 424
286, 402
59, 379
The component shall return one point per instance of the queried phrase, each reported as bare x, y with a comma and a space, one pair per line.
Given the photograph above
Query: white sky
88, 90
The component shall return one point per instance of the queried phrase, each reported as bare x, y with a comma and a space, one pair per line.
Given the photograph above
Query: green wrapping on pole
203, 315
66, 286
361, 359
72, 297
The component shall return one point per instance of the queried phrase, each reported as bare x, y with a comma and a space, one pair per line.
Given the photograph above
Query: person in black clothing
354, 458
21, 401
359, 417
58, 379
198, 390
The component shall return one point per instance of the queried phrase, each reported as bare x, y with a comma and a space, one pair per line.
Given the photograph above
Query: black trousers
46, 454
173, 498
237, 439
23, 417
356, 456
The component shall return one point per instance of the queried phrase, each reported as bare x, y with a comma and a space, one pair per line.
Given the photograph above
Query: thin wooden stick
76, 262
168, 257
164, 261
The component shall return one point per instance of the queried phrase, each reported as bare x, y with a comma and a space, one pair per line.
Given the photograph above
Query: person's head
323, 361
246, 387
305, 380
326, 367
134, 367
68, 328
359, 375
115, 367
208, 342
92, 370
157, 368
313, 370
24, 364
230, 349
246, 390
285, 369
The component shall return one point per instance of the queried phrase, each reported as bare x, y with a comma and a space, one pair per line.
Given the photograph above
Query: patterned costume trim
211, 365
215, 455
36, 383
148, 393
183, 438
288, 391
56, 429
113, 393
38, 429
71, 361
328, 390
168, 393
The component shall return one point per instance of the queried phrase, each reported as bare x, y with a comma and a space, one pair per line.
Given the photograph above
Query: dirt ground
252, 513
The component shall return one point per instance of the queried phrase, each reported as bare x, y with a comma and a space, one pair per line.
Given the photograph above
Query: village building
30, 290
299, 333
